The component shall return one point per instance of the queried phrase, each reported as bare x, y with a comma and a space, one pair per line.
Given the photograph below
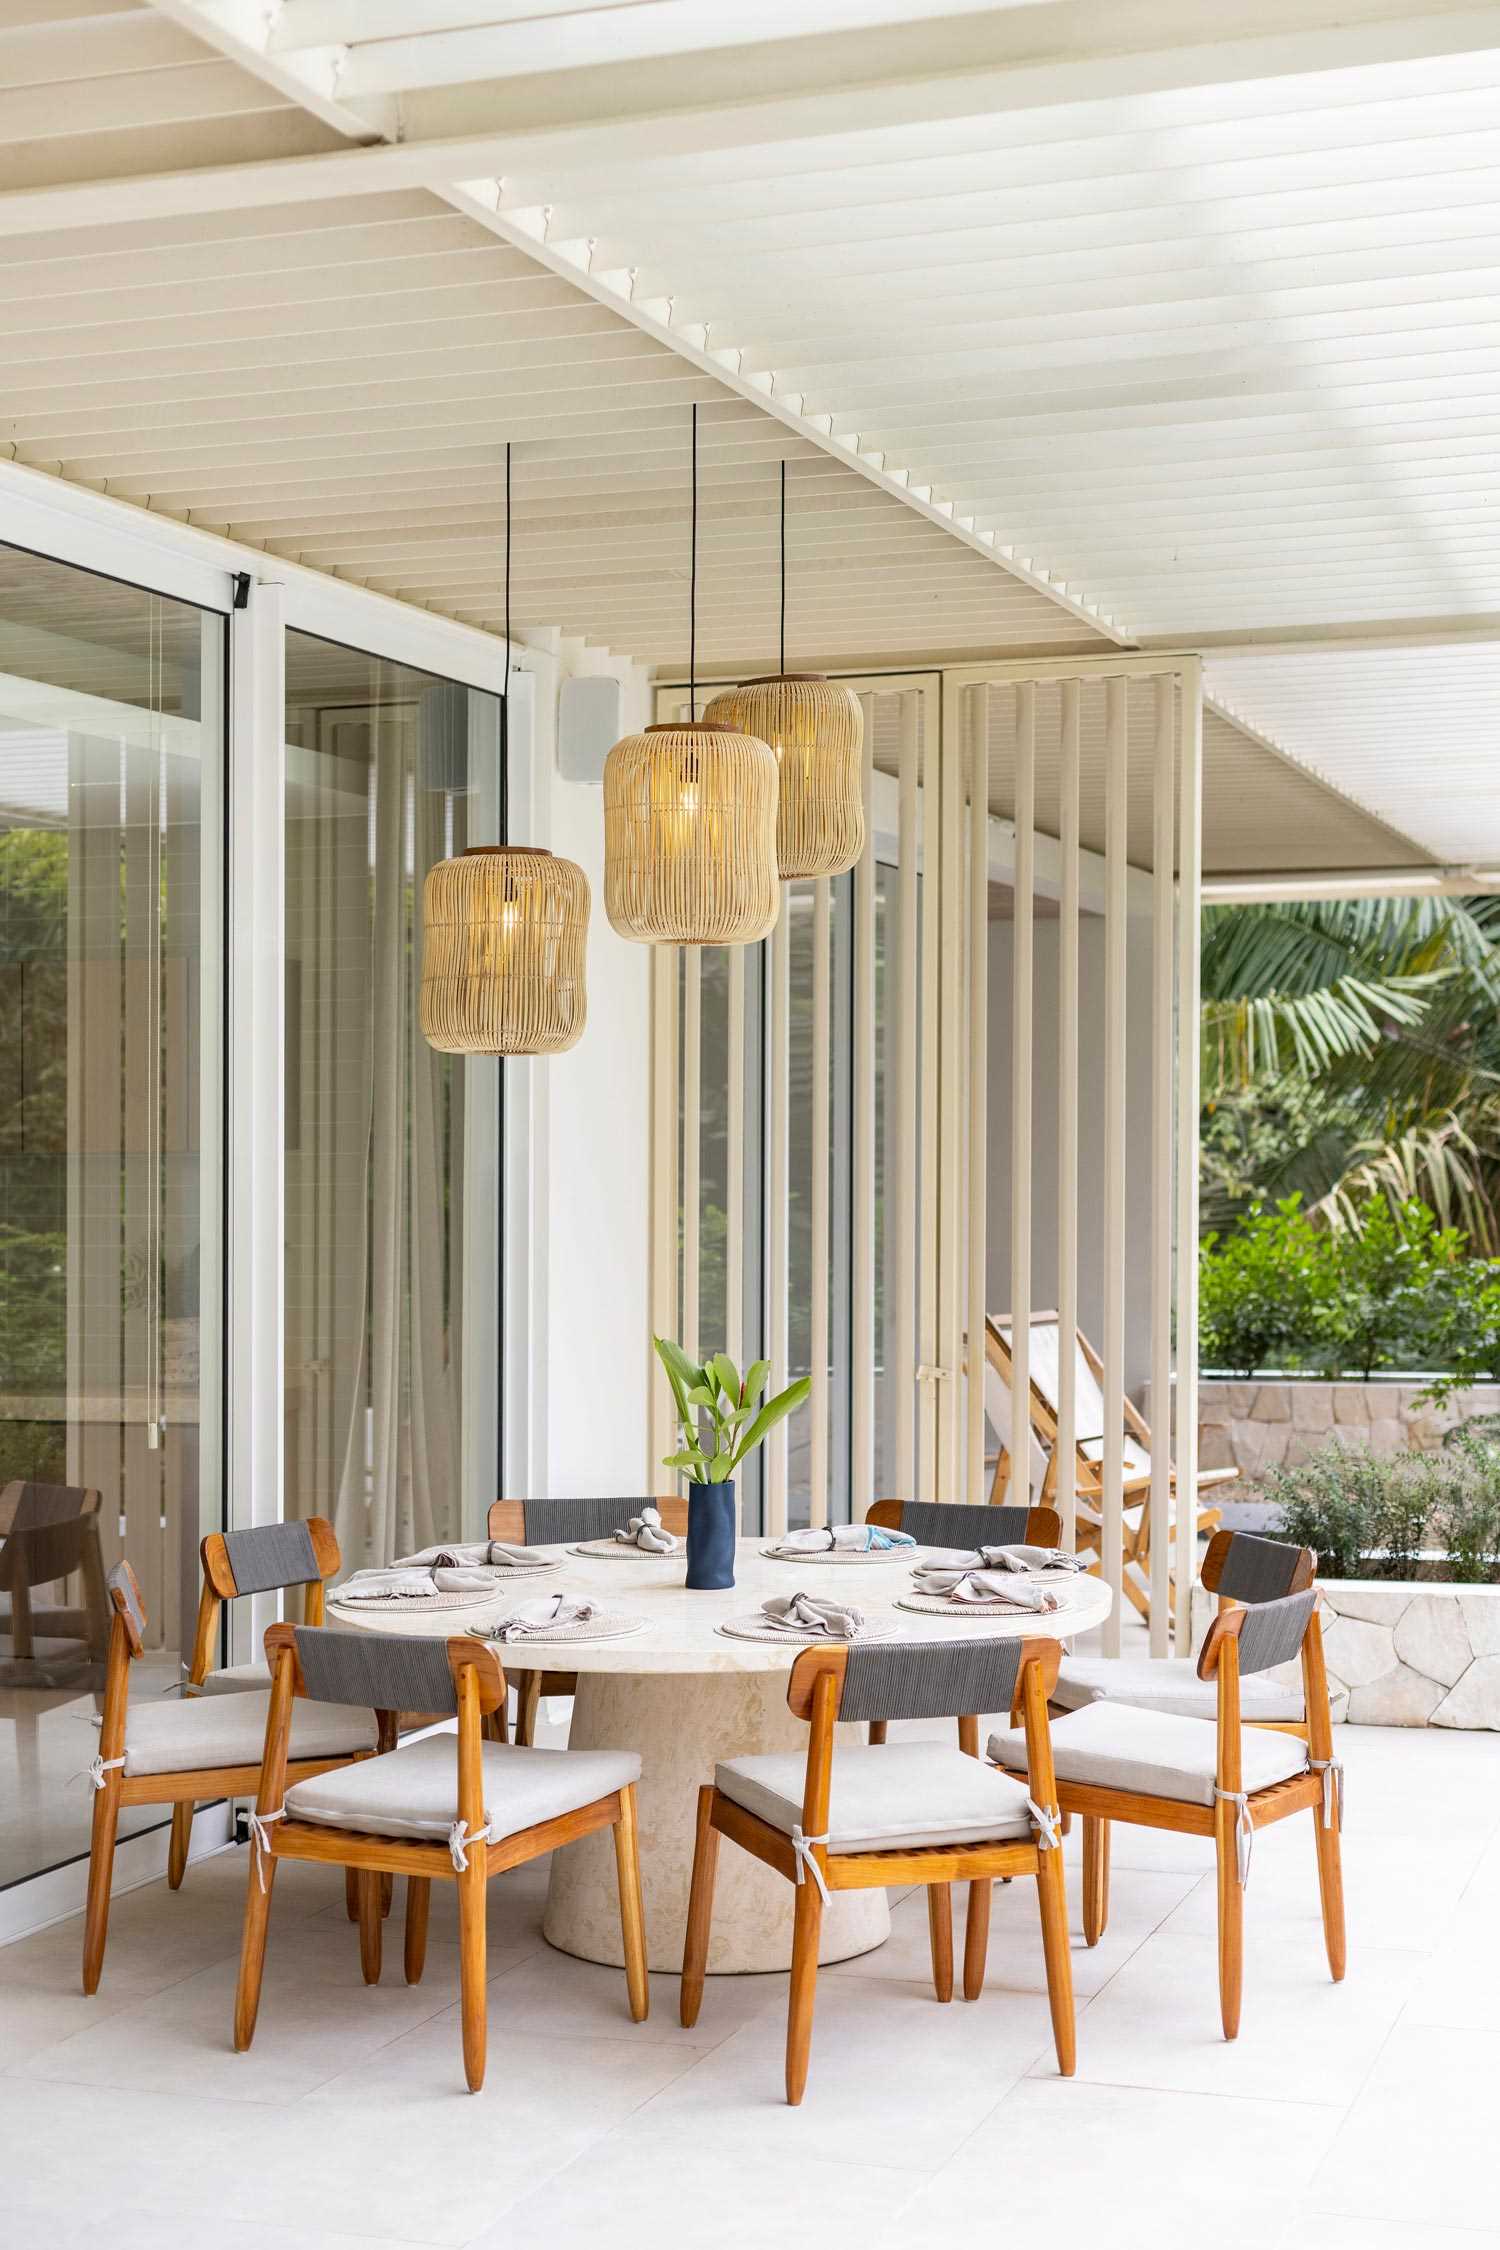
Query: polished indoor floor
1359, 2117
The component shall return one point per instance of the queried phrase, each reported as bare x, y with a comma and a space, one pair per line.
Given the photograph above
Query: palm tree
1351, 1050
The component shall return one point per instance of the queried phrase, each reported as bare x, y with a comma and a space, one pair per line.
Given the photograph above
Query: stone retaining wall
1408, 1653
1258, 1425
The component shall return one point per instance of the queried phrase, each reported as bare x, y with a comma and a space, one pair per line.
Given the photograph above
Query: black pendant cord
783, 570
693, 588
505, 690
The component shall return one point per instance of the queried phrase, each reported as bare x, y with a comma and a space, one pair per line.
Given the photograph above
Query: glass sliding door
111, 985
392, 1150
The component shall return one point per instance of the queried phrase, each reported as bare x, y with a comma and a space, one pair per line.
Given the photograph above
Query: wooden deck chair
48, 1533
1088, 1380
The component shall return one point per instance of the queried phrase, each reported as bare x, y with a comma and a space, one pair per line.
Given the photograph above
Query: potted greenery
721, 1425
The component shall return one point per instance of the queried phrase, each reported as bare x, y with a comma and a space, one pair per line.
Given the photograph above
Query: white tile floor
1358, 2117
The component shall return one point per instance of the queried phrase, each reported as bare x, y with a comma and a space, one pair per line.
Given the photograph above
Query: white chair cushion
174, 1736
1152, 1753
235, 1679
1169, 1684
413, 1791
895, 1794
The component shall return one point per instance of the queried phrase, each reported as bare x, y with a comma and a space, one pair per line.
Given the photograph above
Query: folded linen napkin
648, 1532
968, 1585
1020, 1559
845, 1538
406, 1582
802, 1614
540, 1616
473, 1554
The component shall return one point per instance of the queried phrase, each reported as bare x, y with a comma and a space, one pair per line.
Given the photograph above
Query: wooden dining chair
568, 1522
50, 1533
434, 1810
1239, 1568
268, 1558
910, 1814
168, 1752
1153, 1769
956, 1523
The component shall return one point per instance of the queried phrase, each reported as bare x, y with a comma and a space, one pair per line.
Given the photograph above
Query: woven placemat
415, 1605
938, 1605
755, 1628
625, 1550
847, 1555
611, 1626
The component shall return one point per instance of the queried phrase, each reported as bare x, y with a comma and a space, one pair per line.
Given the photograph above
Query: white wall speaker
588, 727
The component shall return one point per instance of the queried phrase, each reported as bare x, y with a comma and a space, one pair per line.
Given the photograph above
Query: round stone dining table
685, 1696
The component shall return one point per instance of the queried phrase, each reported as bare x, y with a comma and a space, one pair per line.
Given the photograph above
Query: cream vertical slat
1116, 748
1022, 989
1189, 907
734, 1163
862, 1202
779, 1012
1067, 1116
692, 1141
903, 1317
1163, 935
664, 1113
979, 1003
949, 980
821, 1136
927, 1206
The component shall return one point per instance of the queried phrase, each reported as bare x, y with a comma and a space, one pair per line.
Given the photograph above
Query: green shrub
1329, 1503
1470, 1522
1371, 1518
1265, 1292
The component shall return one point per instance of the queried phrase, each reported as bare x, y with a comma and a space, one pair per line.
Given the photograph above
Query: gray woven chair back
121, 1581
1258, 1570
1273, 1632
944, 1679
944, 1523
381, 1672
548, 1523
273, 1554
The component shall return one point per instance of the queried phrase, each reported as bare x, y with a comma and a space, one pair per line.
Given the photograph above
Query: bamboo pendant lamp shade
690, 836
505, 930
816, 729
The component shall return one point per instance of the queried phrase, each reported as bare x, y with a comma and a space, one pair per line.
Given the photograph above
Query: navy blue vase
712, 1525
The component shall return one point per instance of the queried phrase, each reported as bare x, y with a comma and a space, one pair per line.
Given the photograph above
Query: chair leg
1095, 1879
253, 1949
700, 1912
369, 1923
806, 1929
177, 1849
1052, 1897
101, 1876
528, 1703
387, 1892
1231, 1923
472, 1965
351, 1893
877, 1732
940, 1935
1331, 1891
632, 1908
418, 1900
977, 1937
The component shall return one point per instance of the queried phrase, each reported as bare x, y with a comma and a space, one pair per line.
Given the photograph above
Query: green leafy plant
1329, 1503
1373, 1518
1470, 1522
717, 1412
1266, 1293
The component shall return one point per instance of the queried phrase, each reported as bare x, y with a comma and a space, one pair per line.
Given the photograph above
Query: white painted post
1163, 1035
1116, 777
777, 1170
1067, 1122
902, 1318
979, 1005
665, 1096
1189, 908
862, 1200
692, 1142
734, 1164
822, 1097
1022, 984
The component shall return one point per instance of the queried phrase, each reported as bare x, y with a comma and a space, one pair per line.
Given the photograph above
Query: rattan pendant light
504, 933
816, 729
690, 822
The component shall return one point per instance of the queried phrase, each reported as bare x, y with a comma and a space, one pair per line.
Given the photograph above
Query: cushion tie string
96, 1769
460, 1836
1332, 1770
807, 1863
260, 1838
1049, 1823
1244, 1829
